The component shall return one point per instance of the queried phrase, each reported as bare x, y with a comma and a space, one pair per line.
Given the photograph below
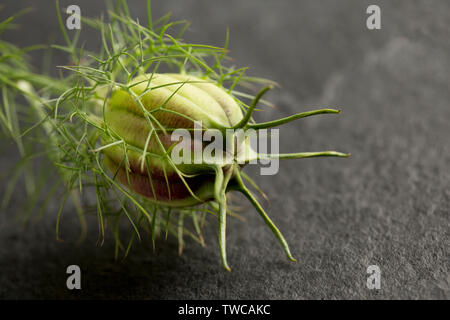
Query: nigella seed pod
146, 116
158, 161
141, 119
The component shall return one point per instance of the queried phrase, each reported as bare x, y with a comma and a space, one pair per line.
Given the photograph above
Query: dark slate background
387, 205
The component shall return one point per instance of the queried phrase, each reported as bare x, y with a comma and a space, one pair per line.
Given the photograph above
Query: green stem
243, 189
279, 122
149, 16
64, 32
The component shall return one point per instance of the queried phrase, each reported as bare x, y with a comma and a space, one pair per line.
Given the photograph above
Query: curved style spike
220, 199
244, 121
300, 155
243, 189
279, 122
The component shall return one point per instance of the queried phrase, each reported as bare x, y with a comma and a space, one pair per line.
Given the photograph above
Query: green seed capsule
169, 101
145, 115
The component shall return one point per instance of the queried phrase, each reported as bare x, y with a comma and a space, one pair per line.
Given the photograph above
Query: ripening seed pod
145, 115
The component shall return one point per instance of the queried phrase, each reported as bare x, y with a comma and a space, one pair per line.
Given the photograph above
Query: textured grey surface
387, 205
